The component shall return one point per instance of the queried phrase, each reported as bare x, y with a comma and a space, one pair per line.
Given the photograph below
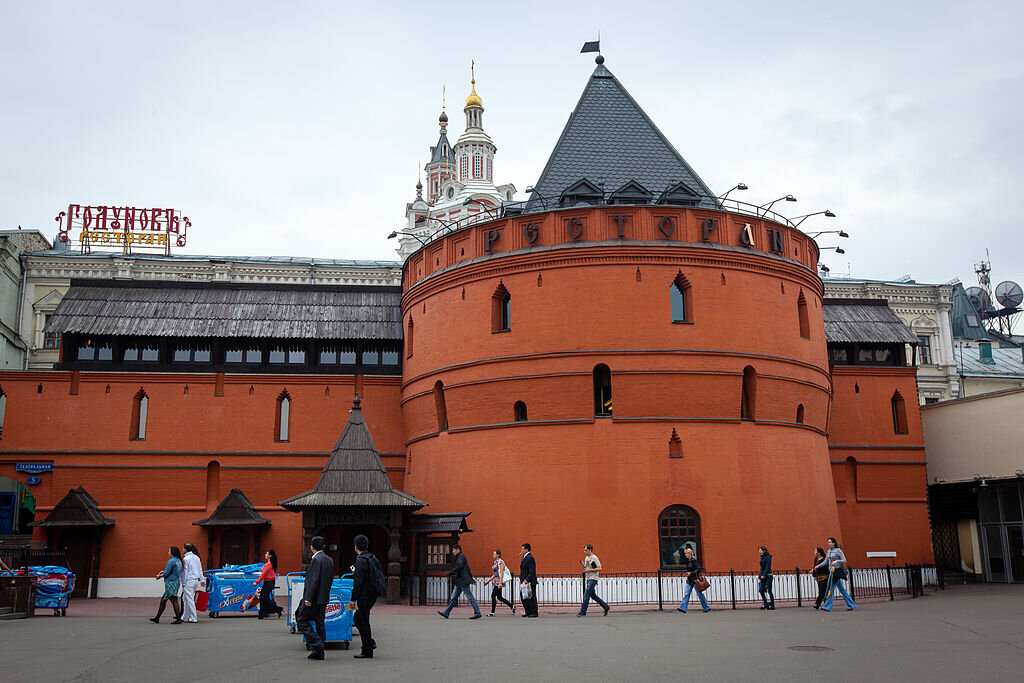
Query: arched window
3, 411
800, 414
602, 391
675, 445
748, 395
140, 413
851, 478
408, 338
501, 310
439, 407
678, 529
899, 413
282, 419
681, 300
801, 311
519, 411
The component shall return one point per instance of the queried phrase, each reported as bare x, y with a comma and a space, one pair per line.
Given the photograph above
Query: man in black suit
528, 575
316, 594
364, 594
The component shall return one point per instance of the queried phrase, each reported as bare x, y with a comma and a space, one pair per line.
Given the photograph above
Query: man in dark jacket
316, 593
528, 575
462, 579
364, 594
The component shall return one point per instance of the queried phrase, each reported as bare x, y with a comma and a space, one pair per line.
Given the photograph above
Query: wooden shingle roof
216, 310
77, 508
353, 475
234, 510
864, 320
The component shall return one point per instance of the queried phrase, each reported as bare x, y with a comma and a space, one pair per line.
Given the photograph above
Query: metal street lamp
841, 233
801, 219
738, 186
768, 207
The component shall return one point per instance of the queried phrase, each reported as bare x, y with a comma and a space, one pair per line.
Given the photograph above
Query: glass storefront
999, 507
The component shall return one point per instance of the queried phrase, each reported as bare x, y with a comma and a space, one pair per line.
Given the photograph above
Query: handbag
506, 575
840, 573
202, 600
702, 584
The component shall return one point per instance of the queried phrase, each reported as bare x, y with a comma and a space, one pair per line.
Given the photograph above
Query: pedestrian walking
268, 577
820, 574
835, 560
462, 579
528, 581
499, 576
765, 578
316, 593
591, 570
172, 585
191, 580
693, 573
365, 590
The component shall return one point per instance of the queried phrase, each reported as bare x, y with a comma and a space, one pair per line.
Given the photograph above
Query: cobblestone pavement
965, 633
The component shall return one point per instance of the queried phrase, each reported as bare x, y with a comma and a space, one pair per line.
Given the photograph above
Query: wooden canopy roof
353, 475
77, 508
234, 510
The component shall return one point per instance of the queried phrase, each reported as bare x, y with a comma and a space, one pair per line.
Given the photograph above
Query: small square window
371, 357
233, 355
328, 356
182, 354
296, 355
253, 354
150, 353
277, 355
389, 357
131, 354
347, 354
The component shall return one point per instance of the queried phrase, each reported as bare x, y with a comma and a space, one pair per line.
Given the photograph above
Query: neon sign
124, 226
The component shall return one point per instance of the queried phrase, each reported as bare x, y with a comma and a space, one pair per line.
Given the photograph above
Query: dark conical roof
353, 475
610, 139
442, 151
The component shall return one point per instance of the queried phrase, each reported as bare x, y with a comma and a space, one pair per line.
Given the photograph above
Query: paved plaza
962, 634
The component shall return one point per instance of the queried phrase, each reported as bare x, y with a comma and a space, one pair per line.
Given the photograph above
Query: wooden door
80, 544
234, 546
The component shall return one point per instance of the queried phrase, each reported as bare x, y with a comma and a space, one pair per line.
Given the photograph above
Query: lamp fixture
800, 219
738, 186
814, 235
396, 233
768, 207
838, 250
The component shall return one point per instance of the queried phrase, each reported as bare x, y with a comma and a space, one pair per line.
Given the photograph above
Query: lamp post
768, 207
396, 233
737, 186
797, 220
483, 205
537, 195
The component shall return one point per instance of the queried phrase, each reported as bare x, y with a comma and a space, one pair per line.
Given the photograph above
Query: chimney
985, 350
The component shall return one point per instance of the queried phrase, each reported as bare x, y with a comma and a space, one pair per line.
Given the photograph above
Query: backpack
380, 583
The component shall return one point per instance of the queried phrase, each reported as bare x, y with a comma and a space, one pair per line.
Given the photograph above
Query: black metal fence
666, 587
16, 557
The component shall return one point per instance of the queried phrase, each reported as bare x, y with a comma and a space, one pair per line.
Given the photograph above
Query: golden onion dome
474, 100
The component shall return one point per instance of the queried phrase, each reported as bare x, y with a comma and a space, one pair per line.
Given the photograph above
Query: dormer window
679, 195
581, 193
631, 193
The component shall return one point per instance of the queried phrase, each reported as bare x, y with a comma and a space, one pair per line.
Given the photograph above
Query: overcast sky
295, 128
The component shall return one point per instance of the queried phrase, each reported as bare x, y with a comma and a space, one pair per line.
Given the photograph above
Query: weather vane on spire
594, 46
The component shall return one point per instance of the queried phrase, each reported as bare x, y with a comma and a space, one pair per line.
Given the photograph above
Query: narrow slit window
281, 423
140, 416
801, 310
800, 414
519, 411
501, 310
680, 300
899, 413
408, 338
602, 391
748, 394
440, 408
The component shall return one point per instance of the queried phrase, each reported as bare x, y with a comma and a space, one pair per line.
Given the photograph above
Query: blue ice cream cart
231, 589
337, 619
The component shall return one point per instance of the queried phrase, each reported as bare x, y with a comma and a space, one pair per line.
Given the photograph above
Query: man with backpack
367, 585
462, 579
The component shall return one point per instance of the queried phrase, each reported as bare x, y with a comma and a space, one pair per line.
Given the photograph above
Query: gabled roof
631, 193
864, 320
610, 139
229, 310
234, 510
964, 318
442, 151
353, 475
439, 522
77, 508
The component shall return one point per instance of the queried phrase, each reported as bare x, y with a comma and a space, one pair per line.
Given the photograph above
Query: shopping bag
202, 599
526, 590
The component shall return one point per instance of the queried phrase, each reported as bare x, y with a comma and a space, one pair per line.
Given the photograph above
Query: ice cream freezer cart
231, 589
338, 617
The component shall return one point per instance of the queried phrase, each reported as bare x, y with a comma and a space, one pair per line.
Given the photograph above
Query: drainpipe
21, 304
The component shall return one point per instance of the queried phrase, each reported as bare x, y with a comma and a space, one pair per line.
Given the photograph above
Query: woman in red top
268, 577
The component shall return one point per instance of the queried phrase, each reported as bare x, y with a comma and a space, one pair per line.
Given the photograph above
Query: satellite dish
1009, 294
979, 299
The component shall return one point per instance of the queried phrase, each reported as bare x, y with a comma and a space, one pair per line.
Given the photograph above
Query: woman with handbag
765, 578
694, 571
835, 561
500, 575
820, 573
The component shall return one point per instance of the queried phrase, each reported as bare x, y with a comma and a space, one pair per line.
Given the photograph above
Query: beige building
925, 310
14, 245
48, 276
976, 483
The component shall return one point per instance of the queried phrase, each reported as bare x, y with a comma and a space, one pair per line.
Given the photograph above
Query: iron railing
731, 589
16, 557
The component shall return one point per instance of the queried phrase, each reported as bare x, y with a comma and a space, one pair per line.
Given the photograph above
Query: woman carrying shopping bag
500, 575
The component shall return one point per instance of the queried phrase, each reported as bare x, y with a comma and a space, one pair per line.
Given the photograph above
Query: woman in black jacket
765, 578
694, 570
